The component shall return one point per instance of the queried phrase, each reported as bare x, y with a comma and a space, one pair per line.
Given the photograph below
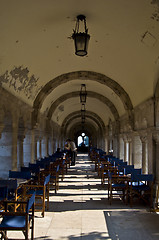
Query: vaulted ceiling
39, 66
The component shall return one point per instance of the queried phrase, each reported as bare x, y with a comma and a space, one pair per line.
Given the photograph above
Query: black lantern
81, 39
83, 120
83, 93
83, 111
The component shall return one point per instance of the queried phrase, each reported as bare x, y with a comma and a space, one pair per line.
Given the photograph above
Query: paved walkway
80, 211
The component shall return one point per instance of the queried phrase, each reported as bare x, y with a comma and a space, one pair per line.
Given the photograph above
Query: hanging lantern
83, 93
83, 111
81, 39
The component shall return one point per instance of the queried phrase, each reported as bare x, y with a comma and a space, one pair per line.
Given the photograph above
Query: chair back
109, 175
25, 169
10, 183
34, 168
22, 175
58, 168
47, 179
128, 169
30, 202
142, 177
135, 171
3, 193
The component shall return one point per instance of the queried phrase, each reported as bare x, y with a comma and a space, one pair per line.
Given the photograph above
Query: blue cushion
39, 192
141, 187
119, 185
13, 221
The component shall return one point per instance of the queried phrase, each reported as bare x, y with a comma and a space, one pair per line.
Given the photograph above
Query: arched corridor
49, 93
81, 210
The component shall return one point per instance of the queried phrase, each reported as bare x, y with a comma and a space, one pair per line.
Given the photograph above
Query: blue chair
3, 193
20, 175
117, 187
141, 187
3, 196
15, 190
18, 221
125, 169
54, 172
42, 193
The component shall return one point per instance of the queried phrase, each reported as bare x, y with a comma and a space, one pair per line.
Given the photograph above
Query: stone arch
76, 130
100, 97
83, 75
93, 132
89, 114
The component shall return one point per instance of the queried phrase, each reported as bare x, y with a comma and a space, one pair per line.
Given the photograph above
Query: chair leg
4, 235
48, 199
32, 229
43, 206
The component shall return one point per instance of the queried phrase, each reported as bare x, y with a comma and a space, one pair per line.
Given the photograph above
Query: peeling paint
20, 81
155, 2
155, 15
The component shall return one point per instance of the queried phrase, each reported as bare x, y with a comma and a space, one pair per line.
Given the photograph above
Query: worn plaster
20, 80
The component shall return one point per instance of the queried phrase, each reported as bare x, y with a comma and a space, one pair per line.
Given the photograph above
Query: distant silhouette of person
71, 147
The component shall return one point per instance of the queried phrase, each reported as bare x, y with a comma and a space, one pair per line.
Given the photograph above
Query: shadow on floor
85, 236
132, 225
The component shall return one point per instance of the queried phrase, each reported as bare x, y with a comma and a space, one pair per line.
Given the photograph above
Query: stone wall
19, 142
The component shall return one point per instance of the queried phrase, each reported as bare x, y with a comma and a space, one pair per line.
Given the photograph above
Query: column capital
143, 136
156, 137
126, 138
143, 139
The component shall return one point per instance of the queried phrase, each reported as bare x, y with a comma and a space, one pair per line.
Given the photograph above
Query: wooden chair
104, 172
20, 175
18, 221
141, 187
3, 196
117, 186
42, 193
14, 189
53, 170
62, 168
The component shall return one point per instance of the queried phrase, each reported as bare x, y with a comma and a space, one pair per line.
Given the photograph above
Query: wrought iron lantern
83, 110
81, 39
83, 121
83, 93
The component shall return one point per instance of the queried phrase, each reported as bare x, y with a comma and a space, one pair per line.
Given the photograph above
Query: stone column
47, 145
40, 155
144, 153
21, 158
14, 146
156, 174
35, 148
125, 148
32, 146
130, 151
115, 146
156, 138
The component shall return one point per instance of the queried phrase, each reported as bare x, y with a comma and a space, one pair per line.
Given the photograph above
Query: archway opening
83, 142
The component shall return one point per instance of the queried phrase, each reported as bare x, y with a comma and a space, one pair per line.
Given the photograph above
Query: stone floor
80, 210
